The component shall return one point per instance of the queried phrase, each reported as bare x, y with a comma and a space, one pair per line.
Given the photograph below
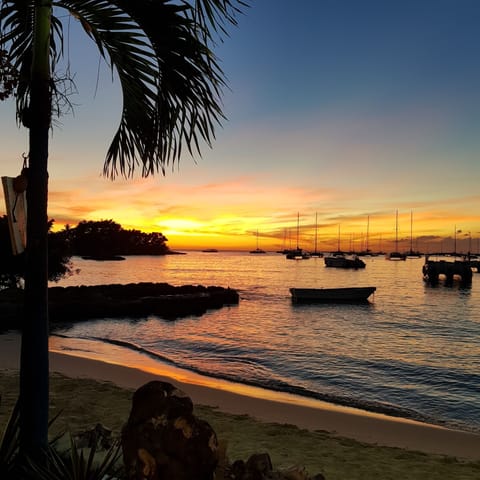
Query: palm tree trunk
34, 368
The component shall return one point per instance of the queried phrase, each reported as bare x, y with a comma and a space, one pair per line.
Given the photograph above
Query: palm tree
171, 84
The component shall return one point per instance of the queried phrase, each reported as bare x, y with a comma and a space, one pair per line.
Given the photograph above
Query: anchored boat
331, 295
340, 260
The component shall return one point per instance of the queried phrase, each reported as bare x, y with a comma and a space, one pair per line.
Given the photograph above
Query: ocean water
413, 351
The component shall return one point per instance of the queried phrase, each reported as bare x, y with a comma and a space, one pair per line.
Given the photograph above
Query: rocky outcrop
163, 439
259, 467
134, 300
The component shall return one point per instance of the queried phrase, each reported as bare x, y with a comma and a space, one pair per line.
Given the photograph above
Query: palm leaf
170, 79
170, 82
16, 31
217, 13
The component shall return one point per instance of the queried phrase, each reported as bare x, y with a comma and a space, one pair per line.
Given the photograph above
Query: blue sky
347, 108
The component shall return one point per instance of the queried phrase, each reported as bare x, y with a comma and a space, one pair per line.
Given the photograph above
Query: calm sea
414, 351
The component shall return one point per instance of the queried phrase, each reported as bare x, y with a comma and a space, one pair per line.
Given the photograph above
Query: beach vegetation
171, 85
76, 463
90, 463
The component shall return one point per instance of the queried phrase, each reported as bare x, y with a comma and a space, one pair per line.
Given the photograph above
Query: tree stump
163, 439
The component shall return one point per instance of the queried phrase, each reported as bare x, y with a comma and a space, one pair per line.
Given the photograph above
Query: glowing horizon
227, 215
237, 233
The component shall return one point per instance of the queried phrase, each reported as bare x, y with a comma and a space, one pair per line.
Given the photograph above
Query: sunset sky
347, 109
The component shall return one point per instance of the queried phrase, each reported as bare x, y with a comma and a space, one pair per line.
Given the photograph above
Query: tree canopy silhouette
107, 238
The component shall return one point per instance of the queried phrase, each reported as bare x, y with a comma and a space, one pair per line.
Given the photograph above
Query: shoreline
351, 423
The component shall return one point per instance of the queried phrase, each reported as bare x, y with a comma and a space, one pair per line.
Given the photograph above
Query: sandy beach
324, 438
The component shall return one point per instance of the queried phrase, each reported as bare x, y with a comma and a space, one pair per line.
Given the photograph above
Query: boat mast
298, 227
396, 231
411, 231
368, 224
315, 232
455, 240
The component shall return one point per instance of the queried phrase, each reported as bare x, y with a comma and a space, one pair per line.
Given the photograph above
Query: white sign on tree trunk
16, 203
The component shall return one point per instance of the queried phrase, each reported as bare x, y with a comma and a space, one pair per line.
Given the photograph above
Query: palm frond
214, 15
16, 31
170, 79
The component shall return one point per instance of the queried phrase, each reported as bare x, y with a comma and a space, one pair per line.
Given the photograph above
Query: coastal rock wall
135, 300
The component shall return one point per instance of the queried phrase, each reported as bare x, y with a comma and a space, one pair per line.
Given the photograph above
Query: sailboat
297, 253
257, 250
316, 253
411, 253
367, 251
341, 259
396, 255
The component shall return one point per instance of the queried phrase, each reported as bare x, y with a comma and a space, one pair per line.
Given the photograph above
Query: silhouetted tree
12, 267
59, 254
105, 238
170, 82
96, 238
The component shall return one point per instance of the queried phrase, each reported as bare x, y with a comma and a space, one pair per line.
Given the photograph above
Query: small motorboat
340, 260
331, 295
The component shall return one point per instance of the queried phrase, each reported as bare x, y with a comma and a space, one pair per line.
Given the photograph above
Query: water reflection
414, 346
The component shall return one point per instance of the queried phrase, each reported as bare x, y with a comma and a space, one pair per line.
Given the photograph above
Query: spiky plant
78, 463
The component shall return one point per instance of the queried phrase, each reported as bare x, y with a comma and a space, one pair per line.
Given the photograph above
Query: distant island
108, 240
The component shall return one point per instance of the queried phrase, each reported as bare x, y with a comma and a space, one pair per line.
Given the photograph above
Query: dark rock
155, 399
134, 300
104, 258
237, 470
164, 440
258, 466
